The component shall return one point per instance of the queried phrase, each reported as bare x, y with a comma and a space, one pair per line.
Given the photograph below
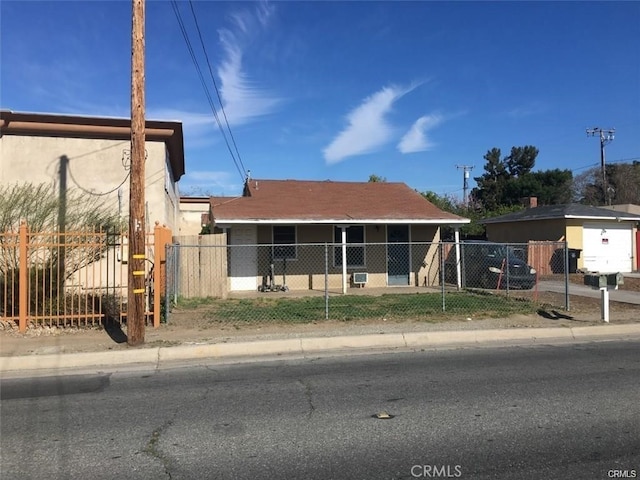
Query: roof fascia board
75, 126
281, 221
564, 217
615, 218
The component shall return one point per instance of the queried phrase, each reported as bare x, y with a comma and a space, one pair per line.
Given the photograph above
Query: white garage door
243, 258
607, 247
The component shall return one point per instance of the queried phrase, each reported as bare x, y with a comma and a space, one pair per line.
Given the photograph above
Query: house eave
614, 218
82, 126
342, 221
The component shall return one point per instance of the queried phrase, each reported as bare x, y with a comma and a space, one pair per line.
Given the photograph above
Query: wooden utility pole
606, 136
136, 275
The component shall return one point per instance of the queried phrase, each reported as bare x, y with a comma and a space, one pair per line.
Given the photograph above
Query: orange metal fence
74, 278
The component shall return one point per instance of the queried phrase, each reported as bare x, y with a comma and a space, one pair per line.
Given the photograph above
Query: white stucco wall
96, 166
190, 215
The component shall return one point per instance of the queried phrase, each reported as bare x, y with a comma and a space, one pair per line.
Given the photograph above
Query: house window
284, 239
355, 254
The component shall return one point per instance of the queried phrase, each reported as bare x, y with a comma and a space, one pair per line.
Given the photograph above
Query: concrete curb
312, 345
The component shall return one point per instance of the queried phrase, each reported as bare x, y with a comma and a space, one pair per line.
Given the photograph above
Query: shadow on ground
553, 315
114, 330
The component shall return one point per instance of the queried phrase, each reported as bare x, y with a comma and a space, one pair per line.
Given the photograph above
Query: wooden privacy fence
75, 278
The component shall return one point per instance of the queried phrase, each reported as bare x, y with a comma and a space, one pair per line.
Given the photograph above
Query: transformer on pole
465, 185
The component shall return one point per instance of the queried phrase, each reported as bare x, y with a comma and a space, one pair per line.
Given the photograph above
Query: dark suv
490, 265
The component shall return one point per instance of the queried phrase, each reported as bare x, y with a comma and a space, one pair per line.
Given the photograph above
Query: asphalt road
535, 412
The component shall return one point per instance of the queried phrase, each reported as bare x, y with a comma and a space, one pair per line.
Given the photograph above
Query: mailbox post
604, 282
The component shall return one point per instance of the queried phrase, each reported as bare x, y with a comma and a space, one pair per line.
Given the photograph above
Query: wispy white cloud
199, 129
416, 139
368, 128
243, 100
208, 182
533, 108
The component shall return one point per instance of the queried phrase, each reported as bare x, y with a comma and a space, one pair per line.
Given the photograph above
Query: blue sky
342, 90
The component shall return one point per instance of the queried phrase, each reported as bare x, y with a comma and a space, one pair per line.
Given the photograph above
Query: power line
212, 106
213, 79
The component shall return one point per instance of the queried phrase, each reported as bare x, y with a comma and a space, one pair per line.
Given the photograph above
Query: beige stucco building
92, 154
194, 213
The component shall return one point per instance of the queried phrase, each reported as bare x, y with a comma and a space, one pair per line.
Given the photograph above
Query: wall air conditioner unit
360, 278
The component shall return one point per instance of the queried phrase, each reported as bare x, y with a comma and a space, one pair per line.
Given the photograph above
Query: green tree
551, 187
450, 204
446, 203
491, 184
506, 181
521, 160
377, 179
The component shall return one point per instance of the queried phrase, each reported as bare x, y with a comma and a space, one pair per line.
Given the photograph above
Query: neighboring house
385, 230
625, 208
606, 239
92, 154
194, 215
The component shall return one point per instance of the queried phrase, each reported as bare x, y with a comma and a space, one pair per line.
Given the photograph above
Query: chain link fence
304, 283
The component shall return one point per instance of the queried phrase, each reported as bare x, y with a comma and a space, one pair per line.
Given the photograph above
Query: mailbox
604, 280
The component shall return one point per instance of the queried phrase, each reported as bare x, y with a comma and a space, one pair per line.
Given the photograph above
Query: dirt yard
191, 326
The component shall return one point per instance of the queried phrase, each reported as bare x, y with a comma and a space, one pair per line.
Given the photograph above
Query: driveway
558, 286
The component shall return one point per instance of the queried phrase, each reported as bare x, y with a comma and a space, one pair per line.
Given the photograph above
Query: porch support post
344, 258
456, 233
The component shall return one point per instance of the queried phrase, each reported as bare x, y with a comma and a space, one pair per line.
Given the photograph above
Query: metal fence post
326, 281
566, 276
158, 252
441, 250
507, 267
176, 280
23, 278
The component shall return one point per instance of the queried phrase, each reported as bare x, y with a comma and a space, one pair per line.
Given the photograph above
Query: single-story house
384, 230
606, 239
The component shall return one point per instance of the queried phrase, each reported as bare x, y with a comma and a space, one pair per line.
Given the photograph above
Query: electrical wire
90, 192
194, 59
213, 79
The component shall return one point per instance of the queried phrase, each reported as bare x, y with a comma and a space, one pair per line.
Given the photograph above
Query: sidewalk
58, 350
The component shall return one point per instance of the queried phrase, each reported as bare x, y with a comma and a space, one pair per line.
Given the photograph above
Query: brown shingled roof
299, 201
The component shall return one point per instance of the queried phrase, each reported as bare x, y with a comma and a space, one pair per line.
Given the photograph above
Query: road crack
308, 393
153, 450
